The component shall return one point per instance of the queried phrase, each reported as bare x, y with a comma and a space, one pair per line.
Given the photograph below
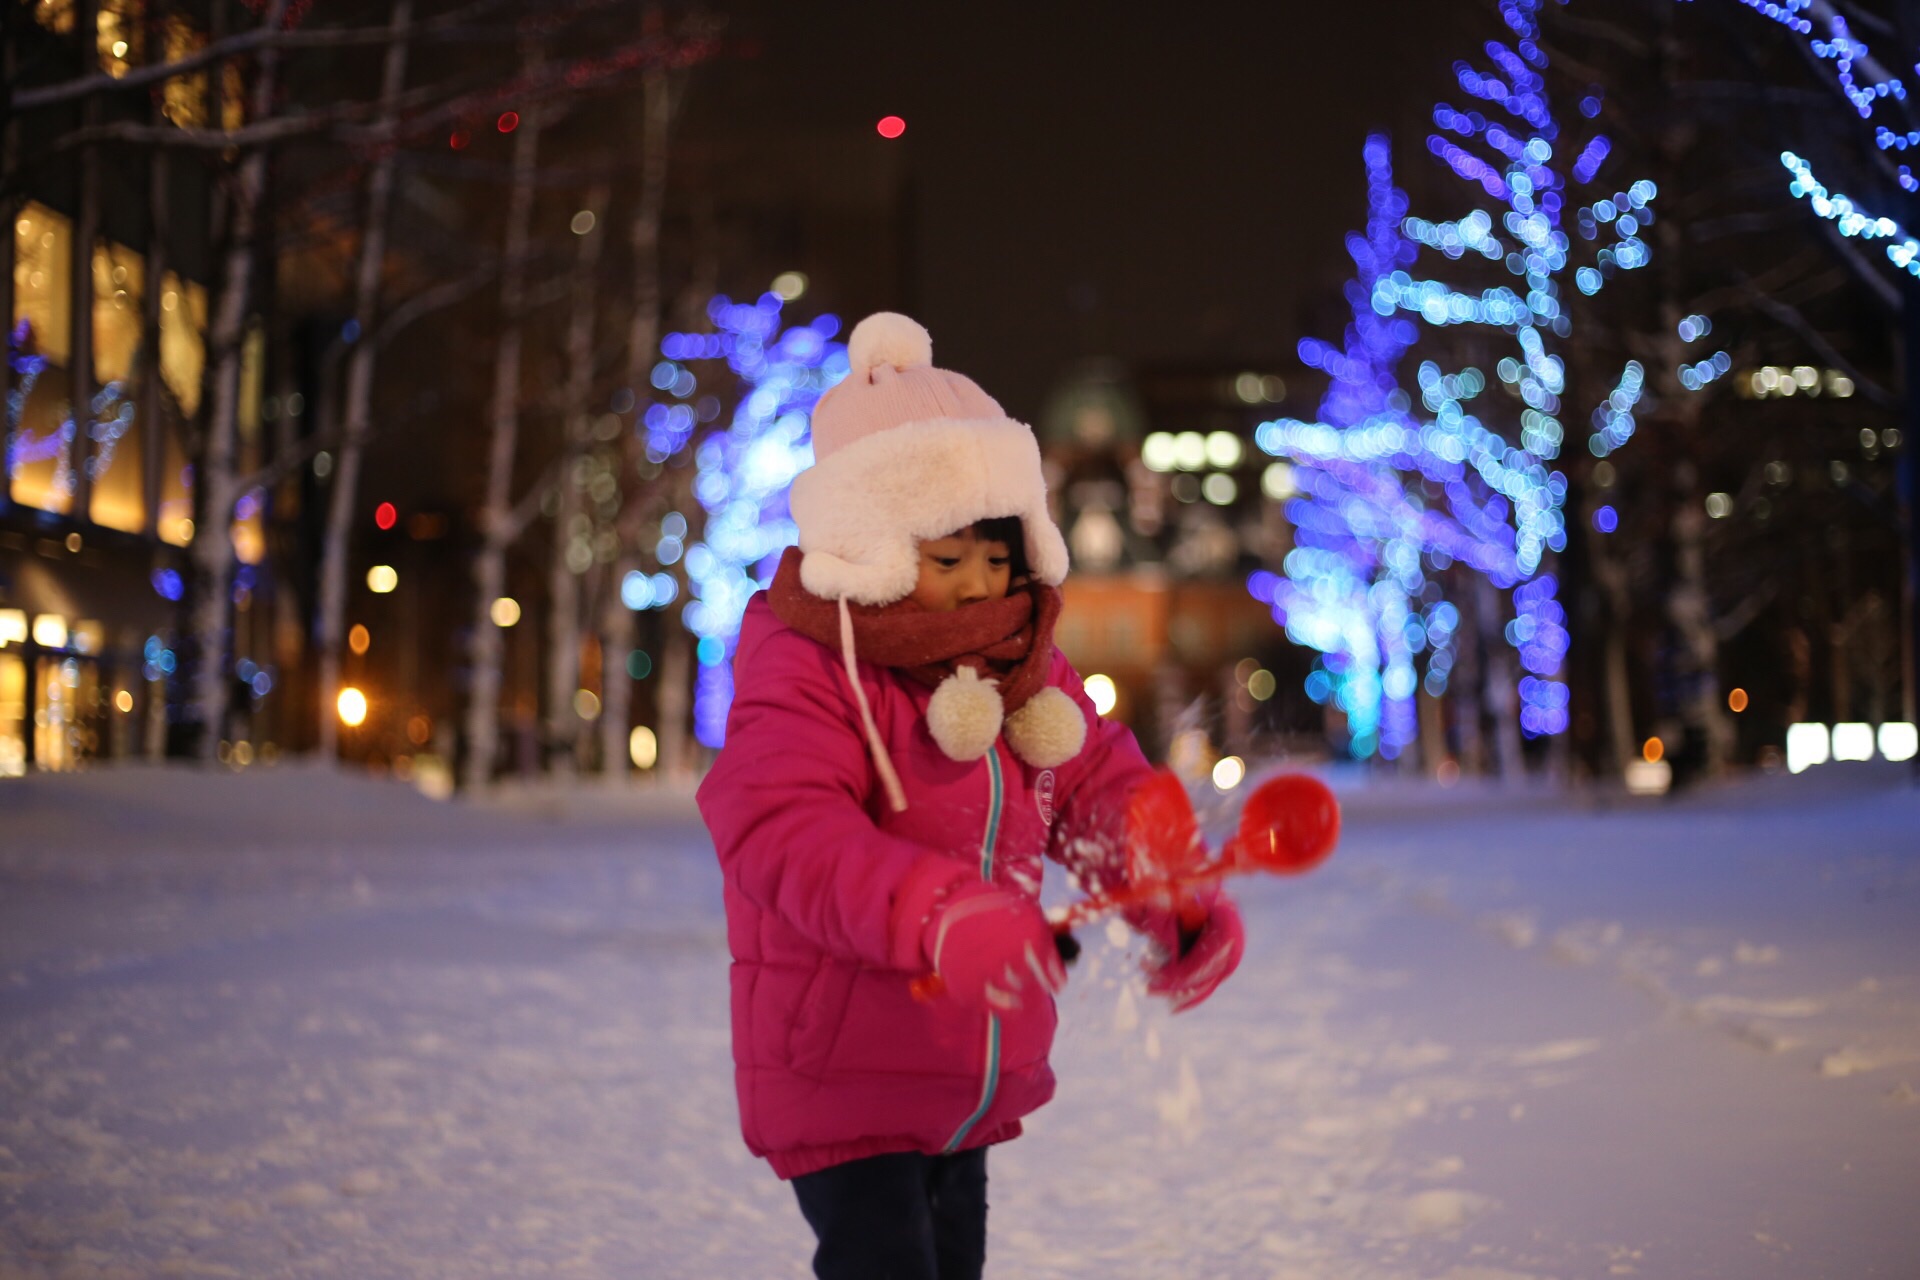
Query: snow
299, 1023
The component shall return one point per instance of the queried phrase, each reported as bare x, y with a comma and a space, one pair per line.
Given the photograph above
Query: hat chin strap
896, 795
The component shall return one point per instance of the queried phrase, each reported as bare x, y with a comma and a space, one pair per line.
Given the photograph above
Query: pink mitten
1203, 959
990, 946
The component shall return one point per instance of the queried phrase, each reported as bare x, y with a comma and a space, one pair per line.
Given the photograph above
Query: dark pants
902, 1216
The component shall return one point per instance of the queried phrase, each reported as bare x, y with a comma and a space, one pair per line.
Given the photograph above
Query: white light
1649, 777
352, 705
789, 285
582, 222
50, 631
1157, 452
1223, 449
13, 626
586, 704
636, 590
1899, 741
1248, 387
1219, 489
381, 579
1190, 451
1719, 505
1105, 697
505, 611
1853, 741
1806, 746
642, 748
1277, 481
1228, 772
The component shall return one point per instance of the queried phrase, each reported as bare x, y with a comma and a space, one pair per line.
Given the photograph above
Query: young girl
905, 743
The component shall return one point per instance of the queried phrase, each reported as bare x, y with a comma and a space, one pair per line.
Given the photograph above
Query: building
105, 285
1167, 507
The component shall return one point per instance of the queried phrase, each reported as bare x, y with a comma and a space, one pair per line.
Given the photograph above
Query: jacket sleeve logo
1043, 795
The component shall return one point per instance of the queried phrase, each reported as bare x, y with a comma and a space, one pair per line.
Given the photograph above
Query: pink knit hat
904, 452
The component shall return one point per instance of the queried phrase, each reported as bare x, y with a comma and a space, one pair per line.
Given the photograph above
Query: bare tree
329, 624
643, 341
212, 552
572, 552
498, 517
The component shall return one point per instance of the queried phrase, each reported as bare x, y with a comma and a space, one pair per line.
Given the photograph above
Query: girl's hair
1009, 530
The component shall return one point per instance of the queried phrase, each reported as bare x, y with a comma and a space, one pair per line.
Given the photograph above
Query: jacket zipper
996, 795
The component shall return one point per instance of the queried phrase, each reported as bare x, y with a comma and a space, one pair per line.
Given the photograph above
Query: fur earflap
964, 715
889, 338
862, 510
1048, 731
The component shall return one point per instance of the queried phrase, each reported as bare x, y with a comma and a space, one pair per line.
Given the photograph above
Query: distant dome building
1157, 488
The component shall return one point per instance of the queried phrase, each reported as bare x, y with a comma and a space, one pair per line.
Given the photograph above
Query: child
904, 744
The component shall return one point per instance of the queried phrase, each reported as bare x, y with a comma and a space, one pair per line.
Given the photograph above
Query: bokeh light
1104, 695
642, 747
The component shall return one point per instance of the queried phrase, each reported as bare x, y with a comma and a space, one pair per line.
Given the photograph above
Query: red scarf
1009, 639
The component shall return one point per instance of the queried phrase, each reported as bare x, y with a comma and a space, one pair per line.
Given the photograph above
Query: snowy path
295, 1025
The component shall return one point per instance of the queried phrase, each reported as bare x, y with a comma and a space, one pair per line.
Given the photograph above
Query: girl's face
961, 569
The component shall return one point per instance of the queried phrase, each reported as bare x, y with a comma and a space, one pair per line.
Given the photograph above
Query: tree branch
435, 299
1790, 316
527, 509
446, 26
342, 119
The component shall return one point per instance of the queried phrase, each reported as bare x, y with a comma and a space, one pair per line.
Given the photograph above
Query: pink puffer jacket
834, 1058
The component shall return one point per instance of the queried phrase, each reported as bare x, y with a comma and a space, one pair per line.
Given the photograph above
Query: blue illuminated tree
744, 472
1354, 580
1396, 482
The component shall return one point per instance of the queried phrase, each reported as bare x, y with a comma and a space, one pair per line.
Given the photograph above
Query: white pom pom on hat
891, 339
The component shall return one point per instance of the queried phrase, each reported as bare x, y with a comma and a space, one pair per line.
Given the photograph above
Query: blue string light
743, 475
1849, 218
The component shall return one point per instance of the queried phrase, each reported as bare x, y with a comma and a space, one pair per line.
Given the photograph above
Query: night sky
1169, 189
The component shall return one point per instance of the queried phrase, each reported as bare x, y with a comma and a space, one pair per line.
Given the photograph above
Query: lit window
1277, 481
1220, 489
55, 15
1807, 745
119, 35
1852, 741
183, 99
1157, 452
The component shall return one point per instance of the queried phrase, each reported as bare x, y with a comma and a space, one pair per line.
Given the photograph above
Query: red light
385, 514
508, 122
459, 140
891, 126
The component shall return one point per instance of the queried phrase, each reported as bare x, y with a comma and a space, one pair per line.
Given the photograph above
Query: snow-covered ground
298, 1024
